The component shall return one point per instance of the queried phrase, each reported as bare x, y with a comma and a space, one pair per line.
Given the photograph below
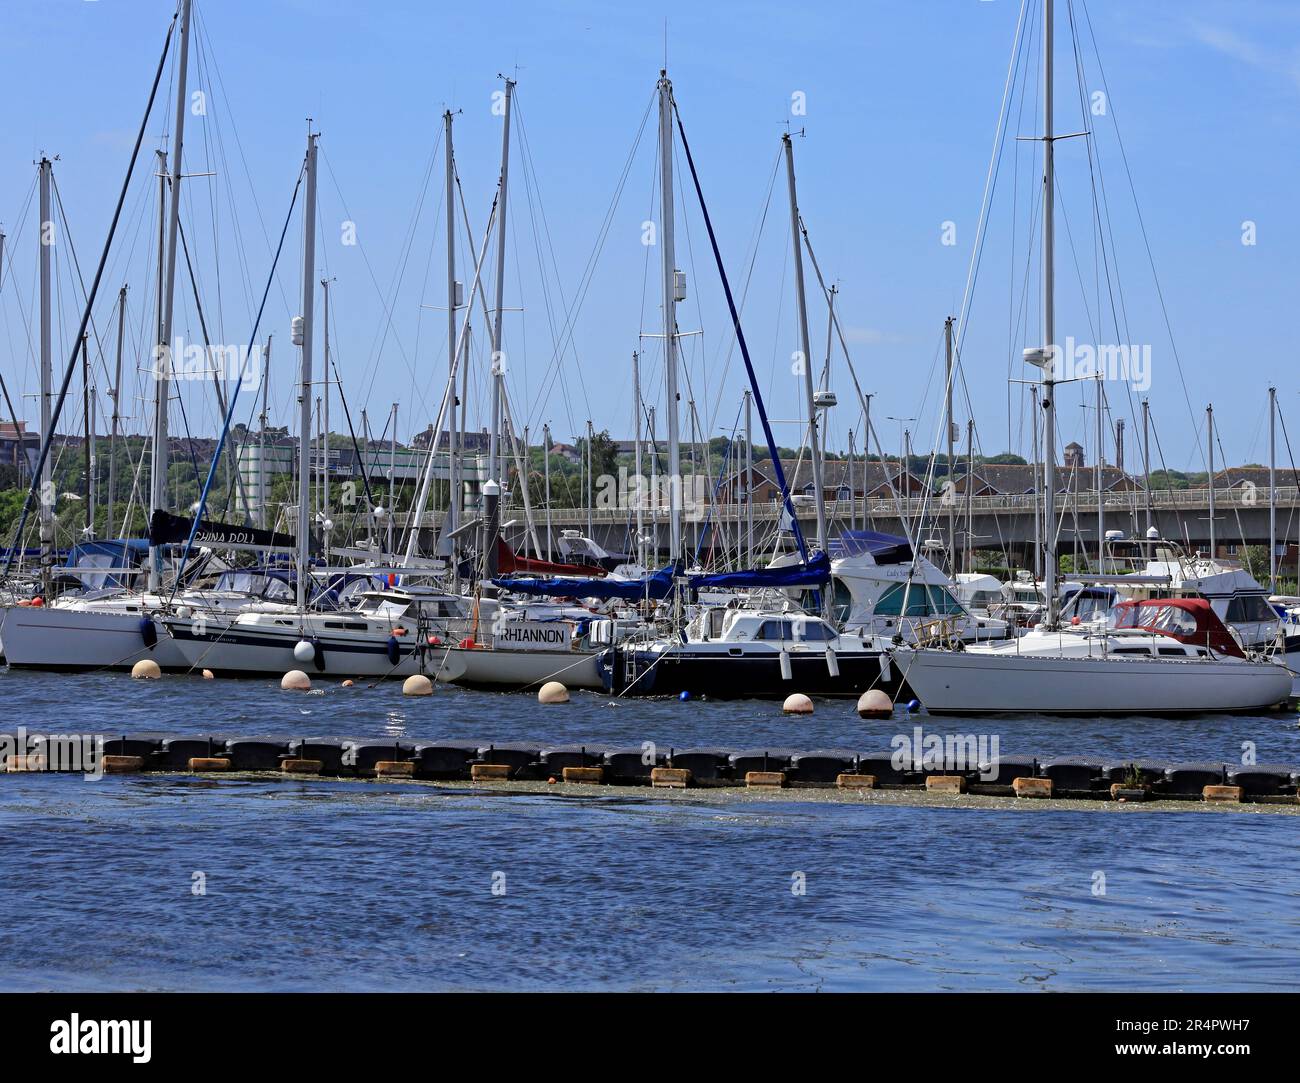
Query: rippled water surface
344, 885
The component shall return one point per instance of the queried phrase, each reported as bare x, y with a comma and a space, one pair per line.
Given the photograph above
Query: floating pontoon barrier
647, 764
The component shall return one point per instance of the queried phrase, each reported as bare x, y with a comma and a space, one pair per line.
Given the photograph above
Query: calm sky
896, 106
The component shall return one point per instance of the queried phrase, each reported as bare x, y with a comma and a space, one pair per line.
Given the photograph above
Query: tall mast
1097, 471
1272, 493
802, 310
749, 478
591, 528
162, 370
968, 564
669, 272
1209, 437
261, 439
325, 419
1146, 457
1038, 507
453, 455
87, 452
640, 489
1049, 330
546, 467
952, 473
116, 423
498, 355
46, 242
392, 479
305, 387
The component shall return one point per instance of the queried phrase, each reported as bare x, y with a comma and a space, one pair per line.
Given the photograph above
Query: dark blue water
344, 885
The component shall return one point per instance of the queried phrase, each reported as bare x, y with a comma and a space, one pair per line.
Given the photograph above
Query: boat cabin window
1175, 621
797, 631
1132, 650
922, 601
1249, 609
1173, 652
982, 599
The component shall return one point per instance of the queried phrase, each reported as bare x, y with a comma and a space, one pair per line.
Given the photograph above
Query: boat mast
640, 489
88, 451
805, 350
952, 473
1049, 330
546, 469
749, 479
116, 423
304, 390
261, 440
1146, 457
326, 522
1209, 436
1272, 493
1097, 470
591, 529
46, 241
453, 453
167, 302
669, 271
392, 476
495, 459
1038, 507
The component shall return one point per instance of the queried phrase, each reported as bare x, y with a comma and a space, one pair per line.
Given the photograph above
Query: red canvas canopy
1188, 620
508, 562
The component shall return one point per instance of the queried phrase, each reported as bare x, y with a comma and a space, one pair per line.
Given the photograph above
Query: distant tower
1119, 445
1074, 456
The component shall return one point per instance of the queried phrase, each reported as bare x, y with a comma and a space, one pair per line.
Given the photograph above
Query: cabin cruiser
1157, 656
880, 587
751, 653
980, 594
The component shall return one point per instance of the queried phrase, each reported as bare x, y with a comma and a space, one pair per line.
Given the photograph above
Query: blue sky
902, 102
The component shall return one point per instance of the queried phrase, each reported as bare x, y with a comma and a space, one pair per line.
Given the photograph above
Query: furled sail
815, 571
656, 586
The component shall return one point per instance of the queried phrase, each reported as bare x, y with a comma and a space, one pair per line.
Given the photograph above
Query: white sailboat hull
514, 670
52, 637
235, 650
967, 682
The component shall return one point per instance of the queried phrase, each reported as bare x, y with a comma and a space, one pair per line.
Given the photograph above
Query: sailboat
1074, 669
118, 630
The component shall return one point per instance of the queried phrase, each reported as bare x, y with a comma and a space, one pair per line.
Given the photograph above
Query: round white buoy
304, 650
417, 684
797, 703
295, 681
875, 704
146, 670
553, 692
208, 675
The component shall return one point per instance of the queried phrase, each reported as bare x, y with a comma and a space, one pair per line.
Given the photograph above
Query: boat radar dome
1152, 534
1114, 535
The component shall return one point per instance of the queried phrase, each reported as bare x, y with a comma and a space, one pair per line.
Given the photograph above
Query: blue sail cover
656, 586
814, 572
